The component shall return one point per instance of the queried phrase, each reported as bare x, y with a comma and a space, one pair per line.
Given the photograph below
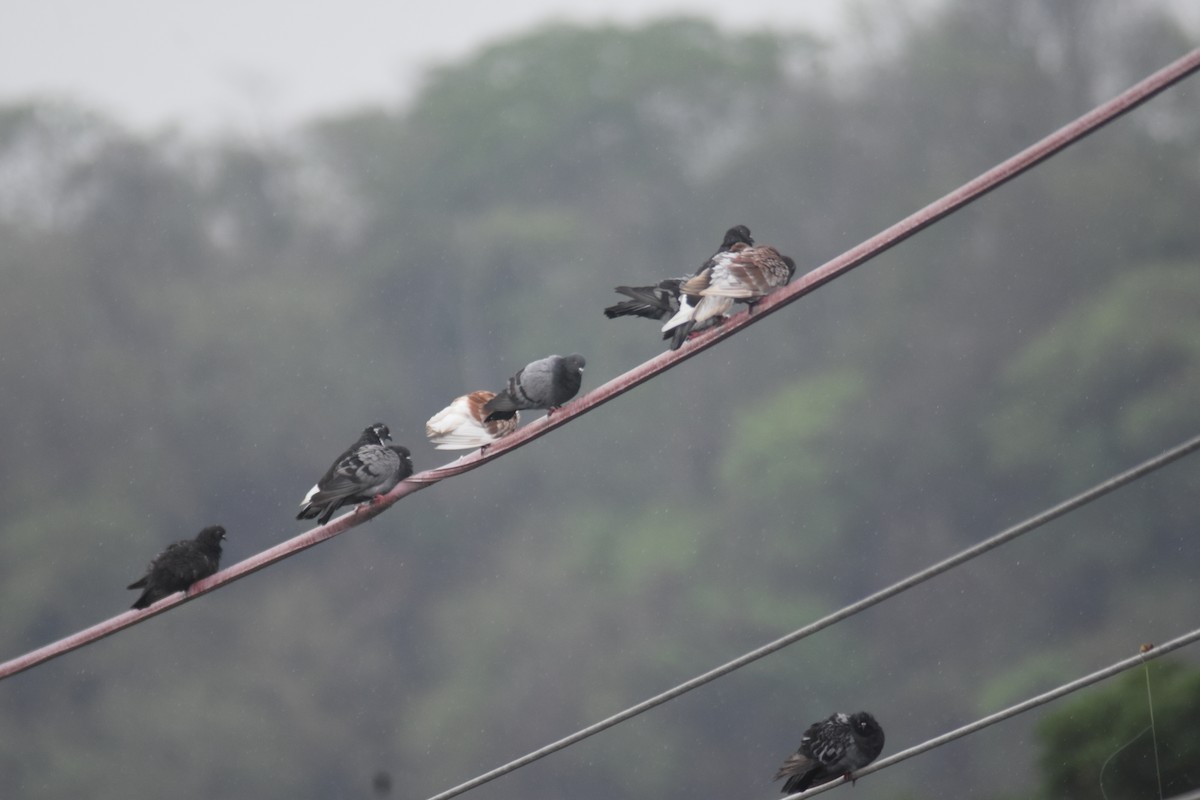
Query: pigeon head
791, 265
211, 536
575, 362
735, 235
378, 433
867, 731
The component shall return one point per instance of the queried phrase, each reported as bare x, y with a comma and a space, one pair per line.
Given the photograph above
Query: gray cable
1011, 711
1082, 499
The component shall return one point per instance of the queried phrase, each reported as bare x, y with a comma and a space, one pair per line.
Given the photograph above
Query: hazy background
272, 63
208, 293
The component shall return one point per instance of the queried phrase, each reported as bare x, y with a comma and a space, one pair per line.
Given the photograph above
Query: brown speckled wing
497, 427
751, 273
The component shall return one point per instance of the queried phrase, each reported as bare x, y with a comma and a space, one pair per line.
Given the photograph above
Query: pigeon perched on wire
742, 273
830, 749
461, 425
663, 299
367, 470
179, 566
546, 383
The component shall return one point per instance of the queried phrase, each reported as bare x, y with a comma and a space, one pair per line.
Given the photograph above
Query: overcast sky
254, 64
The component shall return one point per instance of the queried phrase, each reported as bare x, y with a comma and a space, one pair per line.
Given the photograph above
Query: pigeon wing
357, 473
460, 425
453, 427
747, 274
829, 741
652, 302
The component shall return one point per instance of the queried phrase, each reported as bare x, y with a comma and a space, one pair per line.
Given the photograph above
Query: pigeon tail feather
502, 403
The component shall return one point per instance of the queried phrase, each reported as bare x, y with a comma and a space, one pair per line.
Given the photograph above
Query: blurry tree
1072, 384
1101, 742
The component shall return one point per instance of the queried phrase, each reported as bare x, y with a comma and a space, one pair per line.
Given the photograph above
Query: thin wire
1117, 752
1011, 711
1153, 730
969, 192
916, 578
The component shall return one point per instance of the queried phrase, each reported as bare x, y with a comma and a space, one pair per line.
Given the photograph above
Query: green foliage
1102, 742
1073, 383
798, 420
569, 103
786, 446
1021, 681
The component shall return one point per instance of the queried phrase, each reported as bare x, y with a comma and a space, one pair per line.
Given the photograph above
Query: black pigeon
651, 302
546, 383
742, 273
831, 749
367, 469
179, 566
663, 299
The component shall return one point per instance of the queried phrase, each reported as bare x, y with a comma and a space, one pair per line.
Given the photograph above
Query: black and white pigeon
831, 749
651, 302
369, 468
742, 273
461, 425
179, 566
663, 299
546, 383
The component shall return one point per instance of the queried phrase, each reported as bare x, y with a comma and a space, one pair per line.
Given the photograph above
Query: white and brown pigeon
742, 273
462, 424
663, 299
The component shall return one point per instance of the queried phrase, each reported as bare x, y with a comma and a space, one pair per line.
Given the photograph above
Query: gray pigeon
546, 383
179, 566
832, 748
368, 469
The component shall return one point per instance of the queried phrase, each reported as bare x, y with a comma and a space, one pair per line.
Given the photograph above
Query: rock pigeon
742, 273
368, 469
179, 566
461, 425
663, 299
831, 749
546, 383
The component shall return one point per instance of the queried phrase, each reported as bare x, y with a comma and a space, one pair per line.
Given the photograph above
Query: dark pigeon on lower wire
830, 749
546, 383
179, 566
368, 469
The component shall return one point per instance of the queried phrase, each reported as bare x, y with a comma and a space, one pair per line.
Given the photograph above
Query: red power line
969, 192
